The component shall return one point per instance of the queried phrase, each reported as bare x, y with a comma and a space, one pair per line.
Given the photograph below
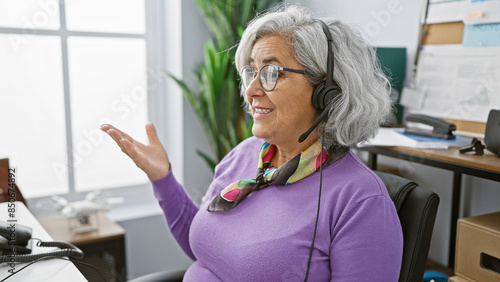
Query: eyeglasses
268, 76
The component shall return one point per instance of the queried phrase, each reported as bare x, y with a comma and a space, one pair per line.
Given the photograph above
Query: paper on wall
482, 35
481, 11
412, 98
460, 82
443, 11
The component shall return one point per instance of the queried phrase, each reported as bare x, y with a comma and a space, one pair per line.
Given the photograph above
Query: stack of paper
397, 137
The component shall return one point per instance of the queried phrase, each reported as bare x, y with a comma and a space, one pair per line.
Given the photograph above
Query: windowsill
138, 202
136, 210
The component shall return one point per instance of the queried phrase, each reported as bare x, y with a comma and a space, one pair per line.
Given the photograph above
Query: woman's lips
259, 113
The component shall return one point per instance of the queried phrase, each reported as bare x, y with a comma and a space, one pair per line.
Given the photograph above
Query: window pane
107, 84
120, 16
29, 14
32, 127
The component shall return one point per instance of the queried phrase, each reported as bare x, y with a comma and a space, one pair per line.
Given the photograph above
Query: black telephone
15, 245
441, 128
14, 236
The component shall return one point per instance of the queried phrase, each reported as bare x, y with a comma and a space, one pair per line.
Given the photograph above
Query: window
66, 67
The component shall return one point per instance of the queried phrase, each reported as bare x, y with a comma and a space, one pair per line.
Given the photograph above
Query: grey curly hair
364, 102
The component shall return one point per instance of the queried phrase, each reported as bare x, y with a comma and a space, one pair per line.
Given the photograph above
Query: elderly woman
279, 209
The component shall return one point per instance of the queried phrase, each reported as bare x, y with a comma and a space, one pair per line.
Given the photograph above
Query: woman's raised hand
152, 159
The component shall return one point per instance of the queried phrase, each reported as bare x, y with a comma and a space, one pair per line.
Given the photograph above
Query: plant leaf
210, 162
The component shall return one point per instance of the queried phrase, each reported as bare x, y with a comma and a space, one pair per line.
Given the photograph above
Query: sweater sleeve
369, 235
178, 208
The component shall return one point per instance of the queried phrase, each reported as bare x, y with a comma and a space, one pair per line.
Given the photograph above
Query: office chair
161, 276
416, 209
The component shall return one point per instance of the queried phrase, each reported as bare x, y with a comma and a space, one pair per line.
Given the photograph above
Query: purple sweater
267, 237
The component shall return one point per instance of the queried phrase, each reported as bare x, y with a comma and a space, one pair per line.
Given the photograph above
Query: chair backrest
8, 185
417, 210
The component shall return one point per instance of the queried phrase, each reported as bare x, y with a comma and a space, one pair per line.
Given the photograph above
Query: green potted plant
216, 101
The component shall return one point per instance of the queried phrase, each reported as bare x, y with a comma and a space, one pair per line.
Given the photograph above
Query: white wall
197, 175
384, 23
395, 23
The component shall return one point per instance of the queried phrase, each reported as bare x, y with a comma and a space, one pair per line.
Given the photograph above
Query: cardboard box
457, 279
478, 248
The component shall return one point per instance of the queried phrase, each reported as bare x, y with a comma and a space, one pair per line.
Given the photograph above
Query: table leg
455, 208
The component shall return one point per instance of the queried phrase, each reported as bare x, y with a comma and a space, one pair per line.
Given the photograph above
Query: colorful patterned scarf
292, 171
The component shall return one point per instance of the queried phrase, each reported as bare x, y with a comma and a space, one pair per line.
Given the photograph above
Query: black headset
325, 92
322, 101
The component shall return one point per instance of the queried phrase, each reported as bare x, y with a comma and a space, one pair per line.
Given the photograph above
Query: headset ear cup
323, 95
318, 97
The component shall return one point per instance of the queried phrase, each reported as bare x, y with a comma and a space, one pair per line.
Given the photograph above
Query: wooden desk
486, 166
103, 248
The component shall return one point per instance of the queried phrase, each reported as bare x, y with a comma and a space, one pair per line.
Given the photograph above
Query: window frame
155, 37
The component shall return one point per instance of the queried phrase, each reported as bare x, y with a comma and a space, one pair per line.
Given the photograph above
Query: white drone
82, 210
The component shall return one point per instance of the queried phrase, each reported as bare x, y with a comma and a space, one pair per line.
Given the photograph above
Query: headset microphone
315, 124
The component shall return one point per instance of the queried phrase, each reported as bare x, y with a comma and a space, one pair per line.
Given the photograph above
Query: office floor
432, 265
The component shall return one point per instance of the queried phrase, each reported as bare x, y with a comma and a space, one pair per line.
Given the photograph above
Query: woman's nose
254, 88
